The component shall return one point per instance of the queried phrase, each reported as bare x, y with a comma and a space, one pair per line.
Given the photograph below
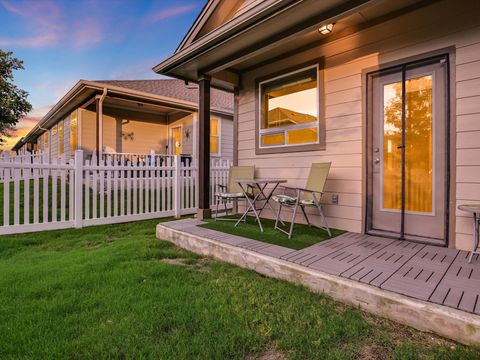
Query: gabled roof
214, 14
165, 92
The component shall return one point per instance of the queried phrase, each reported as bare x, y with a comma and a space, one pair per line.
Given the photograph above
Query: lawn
116, 291
303, 236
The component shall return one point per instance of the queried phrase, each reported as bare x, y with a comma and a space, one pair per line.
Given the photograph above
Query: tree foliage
13, 100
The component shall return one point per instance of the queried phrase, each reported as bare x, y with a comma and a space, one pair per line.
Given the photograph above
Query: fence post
78, 216
177, 187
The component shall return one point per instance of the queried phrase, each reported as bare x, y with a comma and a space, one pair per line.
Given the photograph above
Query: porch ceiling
142, 106
285, 32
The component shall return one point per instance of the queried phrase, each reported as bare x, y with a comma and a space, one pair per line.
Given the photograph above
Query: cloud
24, 126
136, 70
47, 26
170, 12
87, 33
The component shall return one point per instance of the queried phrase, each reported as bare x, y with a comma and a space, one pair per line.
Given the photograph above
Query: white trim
285, 129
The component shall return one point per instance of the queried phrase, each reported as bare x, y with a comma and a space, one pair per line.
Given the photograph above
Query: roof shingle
176, 89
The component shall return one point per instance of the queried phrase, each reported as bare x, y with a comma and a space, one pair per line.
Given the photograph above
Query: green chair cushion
239, 195
290, 200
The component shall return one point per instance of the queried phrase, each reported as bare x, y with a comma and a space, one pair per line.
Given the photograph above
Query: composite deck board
425, 272
376, 269
460, 287
347, 257
420, 275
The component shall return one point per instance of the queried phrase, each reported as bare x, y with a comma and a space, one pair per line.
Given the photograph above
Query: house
137, 116
388, 91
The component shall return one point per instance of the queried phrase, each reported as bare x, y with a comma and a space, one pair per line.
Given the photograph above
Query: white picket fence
42, 195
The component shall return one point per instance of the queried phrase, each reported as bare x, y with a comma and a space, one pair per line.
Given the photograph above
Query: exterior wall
226, 135
142, 132
186, 123
345, 59
87, 131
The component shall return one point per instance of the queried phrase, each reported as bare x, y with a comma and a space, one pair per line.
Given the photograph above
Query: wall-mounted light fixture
325, 29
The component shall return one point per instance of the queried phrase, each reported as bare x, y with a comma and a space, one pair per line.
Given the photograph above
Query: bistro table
263, 194
475, 210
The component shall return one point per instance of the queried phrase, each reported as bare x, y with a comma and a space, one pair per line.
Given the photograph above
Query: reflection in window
418, 145
214, 135
289, 110
60, 138
73, 131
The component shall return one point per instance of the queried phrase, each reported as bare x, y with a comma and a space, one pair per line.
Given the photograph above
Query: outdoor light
325, 29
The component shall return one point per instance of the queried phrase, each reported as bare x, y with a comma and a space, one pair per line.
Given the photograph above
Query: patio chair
305, 197
232, 191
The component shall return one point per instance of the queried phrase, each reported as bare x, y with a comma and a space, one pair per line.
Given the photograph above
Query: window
60, 138
214, 136
289, 110
45, 141
73, 131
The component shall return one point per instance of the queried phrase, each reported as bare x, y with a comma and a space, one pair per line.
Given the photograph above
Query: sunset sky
61, 42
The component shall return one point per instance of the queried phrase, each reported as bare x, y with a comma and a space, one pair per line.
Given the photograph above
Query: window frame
318, 64
218, 136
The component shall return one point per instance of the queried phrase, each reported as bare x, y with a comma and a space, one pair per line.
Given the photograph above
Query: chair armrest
294, 188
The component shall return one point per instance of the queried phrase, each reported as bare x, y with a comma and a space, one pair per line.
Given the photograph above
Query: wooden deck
425, 272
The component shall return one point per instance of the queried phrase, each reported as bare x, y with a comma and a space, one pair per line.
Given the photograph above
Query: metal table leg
475, 236
251, 207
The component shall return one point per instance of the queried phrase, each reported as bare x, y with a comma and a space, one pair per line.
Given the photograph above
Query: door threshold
413, 238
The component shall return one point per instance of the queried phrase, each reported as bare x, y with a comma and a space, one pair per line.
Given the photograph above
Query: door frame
171, 144
367, 74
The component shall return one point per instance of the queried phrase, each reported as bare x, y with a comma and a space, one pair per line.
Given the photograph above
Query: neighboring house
388, 91
131, 116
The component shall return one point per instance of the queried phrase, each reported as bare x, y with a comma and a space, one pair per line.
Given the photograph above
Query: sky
63, 41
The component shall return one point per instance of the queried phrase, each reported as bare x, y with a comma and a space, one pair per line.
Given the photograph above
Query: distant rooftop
176, 89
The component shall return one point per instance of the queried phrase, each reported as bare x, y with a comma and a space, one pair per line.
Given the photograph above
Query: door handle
376, 161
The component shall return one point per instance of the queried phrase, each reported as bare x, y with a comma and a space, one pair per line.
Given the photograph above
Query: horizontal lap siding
468, 134
344, 102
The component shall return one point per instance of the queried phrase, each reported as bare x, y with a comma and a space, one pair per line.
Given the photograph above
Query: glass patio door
408, 151
176, 140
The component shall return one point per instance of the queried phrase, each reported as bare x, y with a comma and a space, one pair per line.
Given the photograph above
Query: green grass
303, 236
117, 292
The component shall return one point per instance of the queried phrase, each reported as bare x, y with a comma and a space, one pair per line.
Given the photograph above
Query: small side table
475, 210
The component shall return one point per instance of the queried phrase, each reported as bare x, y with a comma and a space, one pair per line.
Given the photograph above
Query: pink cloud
50, 27
86, 33
170, 12
24, 126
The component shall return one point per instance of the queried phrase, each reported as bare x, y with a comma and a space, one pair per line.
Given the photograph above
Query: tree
13, 101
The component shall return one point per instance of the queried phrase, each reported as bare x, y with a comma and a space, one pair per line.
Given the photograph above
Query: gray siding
345, 60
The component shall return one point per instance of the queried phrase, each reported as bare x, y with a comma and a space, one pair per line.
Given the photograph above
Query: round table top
473, 208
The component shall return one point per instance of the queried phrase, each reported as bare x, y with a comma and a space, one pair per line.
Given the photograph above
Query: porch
428, 287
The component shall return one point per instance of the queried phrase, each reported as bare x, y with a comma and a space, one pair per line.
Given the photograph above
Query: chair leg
324, 220
226, 210
293, 221
216, 209
305, 214
278, 215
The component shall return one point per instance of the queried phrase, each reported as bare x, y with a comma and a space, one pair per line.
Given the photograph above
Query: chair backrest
317, 178
239, 173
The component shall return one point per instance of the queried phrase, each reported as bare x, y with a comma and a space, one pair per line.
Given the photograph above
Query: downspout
100, 124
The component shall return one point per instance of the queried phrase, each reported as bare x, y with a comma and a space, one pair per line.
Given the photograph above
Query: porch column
204, 148
97, 127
